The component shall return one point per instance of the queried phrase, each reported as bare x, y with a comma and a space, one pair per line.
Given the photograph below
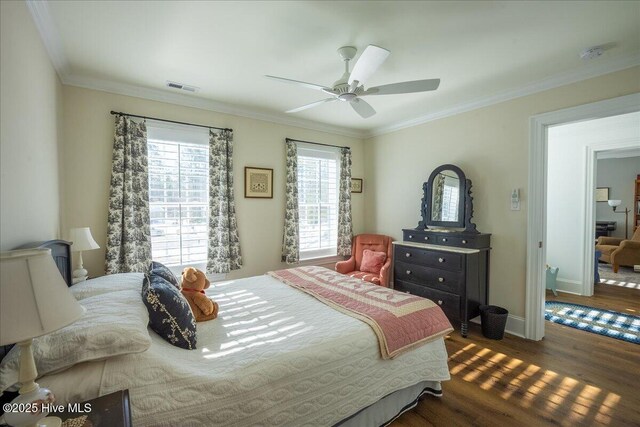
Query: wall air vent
180, 86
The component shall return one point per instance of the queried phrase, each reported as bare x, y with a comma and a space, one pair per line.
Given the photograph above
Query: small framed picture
602, 194
258, 183
356, 185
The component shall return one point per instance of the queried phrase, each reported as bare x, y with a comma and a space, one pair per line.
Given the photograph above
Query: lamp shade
614, 203
82, 239
34, 298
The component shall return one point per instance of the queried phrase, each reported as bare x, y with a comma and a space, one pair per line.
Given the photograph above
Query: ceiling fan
350, 87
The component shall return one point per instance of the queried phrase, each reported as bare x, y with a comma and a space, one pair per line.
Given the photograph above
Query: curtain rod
314, 143
118, 113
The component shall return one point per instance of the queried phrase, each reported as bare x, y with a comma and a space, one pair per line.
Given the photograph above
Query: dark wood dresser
445, 258
452, 270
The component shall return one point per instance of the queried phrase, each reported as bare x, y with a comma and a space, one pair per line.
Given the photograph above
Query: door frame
537, 206
590, 205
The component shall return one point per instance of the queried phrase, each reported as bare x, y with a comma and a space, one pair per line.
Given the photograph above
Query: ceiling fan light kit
350, 87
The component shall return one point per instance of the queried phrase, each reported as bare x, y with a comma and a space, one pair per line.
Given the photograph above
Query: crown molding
202, 103
618, 154
49, 35
568, 77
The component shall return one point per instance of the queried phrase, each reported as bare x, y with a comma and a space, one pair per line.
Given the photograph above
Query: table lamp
82, 241
34, 301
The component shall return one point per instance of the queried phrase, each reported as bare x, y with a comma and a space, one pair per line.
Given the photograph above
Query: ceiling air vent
175, 85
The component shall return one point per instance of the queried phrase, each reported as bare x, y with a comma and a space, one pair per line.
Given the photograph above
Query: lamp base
80, 272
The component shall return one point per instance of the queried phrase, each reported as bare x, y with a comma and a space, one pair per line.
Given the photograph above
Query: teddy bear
194, 282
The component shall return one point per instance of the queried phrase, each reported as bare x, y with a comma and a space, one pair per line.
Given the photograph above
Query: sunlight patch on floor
630, 285
532, 386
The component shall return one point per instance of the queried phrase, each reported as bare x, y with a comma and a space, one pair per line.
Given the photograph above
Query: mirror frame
465, 203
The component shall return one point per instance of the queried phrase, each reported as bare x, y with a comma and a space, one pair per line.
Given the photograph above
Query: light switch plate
515, 199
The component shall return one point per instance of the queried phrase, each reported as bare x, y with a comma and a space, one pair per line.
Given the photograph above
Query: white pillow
109, 283
114, 324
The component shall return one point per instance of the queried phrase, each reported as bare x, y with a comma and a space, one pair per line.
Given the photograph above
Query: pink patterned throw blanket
401, 321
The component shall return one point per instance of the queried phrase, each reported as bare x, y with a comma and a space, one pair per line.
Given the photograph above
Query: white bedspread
274, 356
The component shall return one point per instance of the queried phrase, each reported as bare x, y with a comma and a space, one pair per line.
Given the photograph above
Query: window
178, 195
318, 186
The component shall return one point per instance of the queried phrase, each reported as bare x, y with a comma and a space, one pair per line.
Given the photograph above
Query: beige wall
88, 131
491, 146
30, 122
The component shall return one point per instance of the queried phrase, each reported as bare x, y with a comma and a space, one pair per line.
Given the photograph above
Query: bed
274, 356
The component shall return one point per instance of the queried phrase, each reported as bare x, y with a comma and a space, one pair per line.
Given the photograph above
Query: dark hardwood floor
569, 378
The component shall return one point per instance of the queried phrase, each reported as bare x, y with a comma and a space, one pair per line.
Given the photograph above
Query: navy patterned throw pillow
158, 269
169, 313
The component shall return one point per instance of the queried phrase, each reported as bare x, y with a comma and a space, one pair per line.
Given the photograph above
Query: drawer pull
407, 254
408, 271
440, 259
439, 302
411, 236
440, 279
444, 239
464, 242
426, 237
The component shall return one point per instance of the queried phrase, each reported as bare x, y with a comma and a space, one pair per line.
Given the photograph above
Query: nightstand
111, 410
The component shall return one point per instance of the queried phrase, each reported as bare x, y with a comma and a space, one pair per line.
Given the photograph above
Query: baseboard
569, 286
515, 325
562, 291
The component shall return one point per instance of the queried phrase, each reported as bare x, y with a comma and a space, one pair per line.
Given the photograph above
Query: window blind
178, 199
318, 186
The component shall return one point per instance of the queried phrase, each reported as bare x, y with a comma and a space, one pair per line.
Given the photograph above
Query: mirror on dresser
445, 258
446, 197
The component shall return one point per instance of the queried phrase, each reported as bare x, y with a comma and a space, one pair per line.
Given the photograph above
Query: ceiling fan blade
313, 104
299, 83
368, 63
362, 108
404, 87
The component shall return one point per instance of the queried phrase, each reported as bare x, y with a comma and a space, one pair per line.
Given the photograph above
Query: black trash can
494, 320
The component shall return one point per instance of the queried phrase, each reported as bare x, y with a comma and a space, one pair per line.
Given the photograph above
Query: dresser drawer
419, 237
429, 258
449, 281
460, 240
449, 303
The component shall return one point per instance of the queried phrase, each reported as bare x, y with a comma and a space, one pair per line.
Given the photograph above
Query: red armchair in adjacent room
373, 242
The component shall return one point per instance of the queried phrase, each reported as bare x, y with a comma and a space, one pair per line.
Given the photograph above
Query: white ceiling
483, 52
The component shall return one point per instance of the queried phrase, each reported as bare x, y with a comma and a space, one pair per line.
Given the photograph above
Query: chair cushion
372, 261
606, 249
373, 242
363, 275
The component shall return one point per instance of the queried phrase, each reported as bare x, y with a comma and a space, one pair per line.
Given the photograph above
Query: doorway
537, 207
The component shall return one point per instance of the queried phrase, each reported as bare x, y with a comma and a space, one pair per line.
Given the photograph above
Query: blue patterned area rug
612, 324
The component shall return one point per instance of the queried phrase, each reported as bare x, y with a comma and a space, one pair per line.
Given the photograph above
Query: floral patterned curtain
438, 192
128, 230
224, 242
291, 238
345, 230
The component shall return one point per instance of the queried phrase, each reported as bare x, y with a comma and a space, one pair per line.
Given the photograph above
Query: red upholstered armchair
374, 242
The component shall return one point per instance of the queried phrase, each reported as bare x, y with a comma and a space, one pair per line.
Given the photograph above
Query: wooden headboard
61, 253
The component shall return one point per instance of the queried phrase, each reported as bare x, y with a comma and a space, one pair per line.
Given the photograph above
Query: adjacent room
323, 213
592, 246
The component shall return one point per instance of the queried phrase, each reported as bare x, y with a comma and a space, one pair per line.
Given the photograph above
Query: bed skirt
390, 407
